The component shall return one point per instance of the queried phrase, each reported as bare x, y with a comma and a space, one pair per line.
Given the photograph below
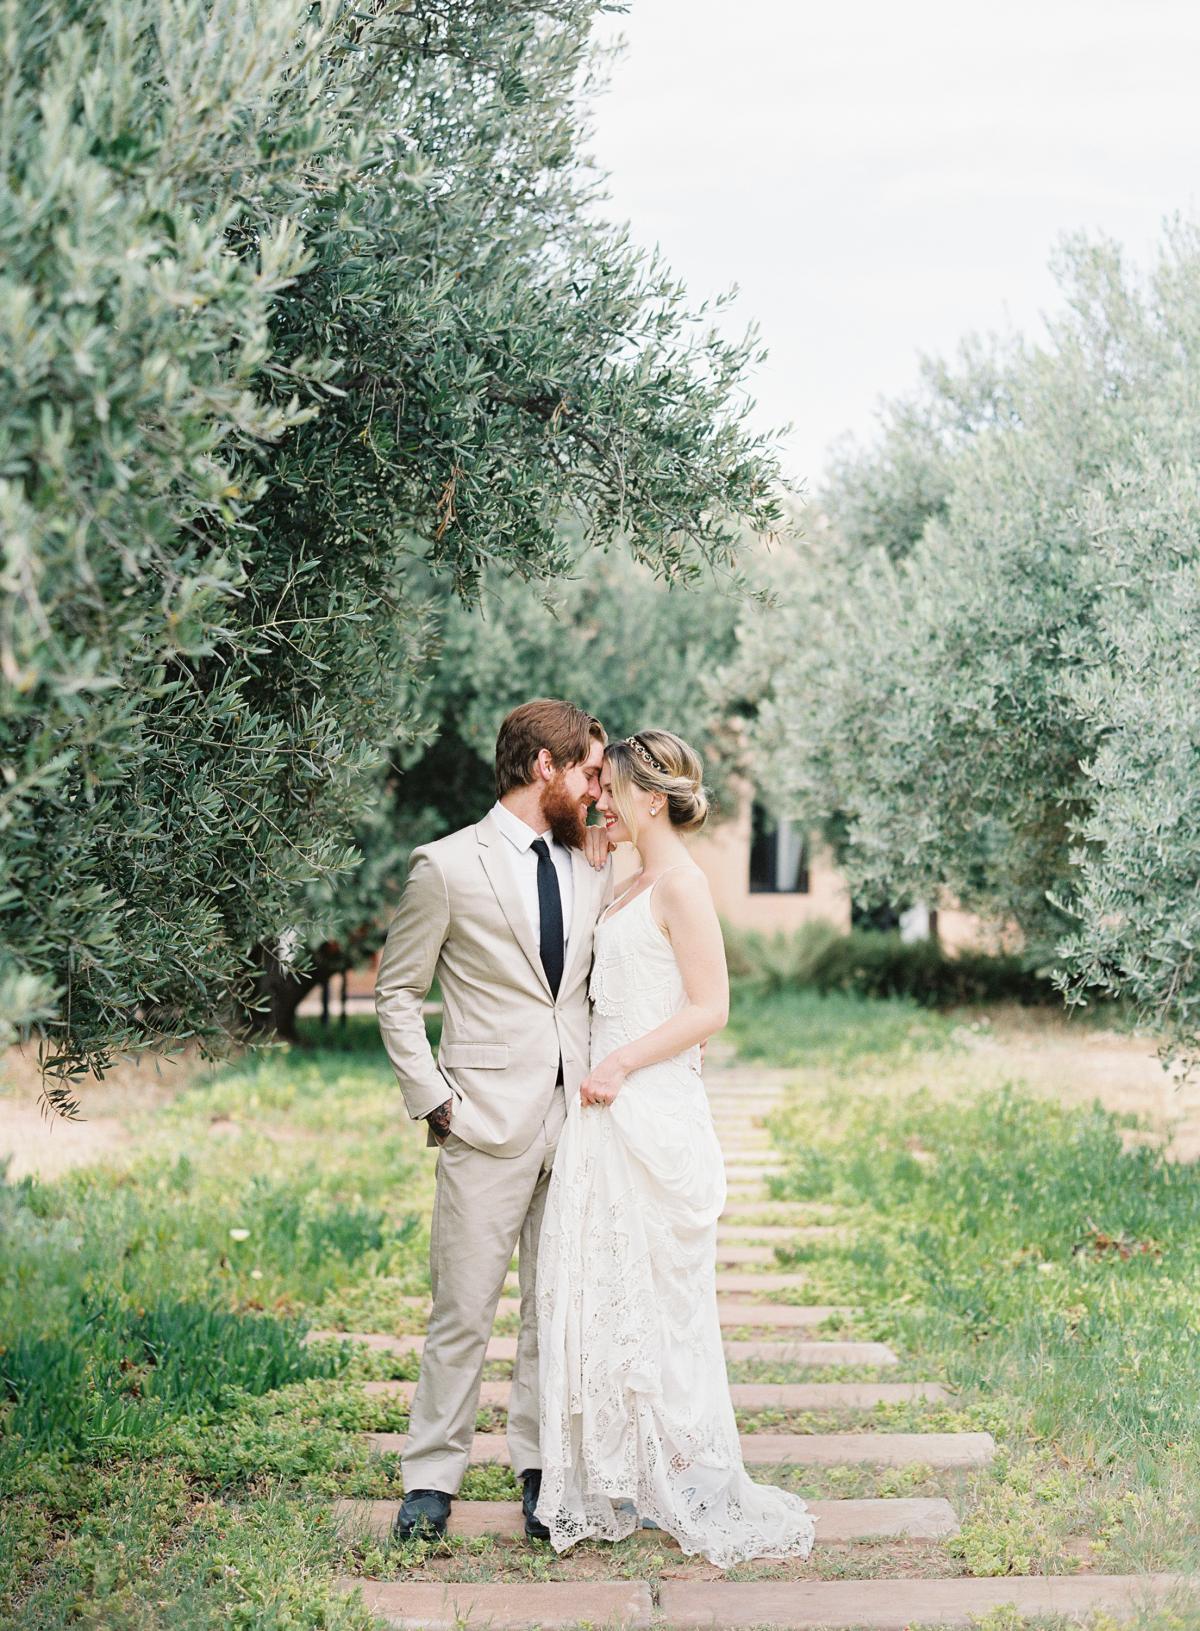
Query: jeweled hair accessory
632, 741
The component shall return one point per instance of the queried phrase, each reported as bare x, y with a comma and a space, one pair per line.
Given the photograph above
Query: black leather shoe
531, 1480
423, 1515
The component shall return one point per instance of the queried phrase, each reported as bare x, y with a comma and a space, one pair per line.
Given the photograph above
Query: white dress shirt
525, 864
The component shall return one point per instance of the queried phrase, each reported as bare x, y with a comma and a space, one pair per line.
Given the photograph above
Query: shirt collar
519, 834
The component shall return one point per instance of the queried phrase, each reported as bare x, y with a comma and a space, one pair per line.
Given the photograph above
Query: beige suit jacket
462, 920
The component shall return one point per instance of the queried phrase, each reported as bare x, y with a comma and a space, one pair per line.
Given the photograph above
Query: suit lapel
504, 884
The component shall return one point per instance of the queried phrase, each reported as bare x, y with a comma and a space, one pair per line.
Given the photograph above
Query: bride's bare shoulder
681, 889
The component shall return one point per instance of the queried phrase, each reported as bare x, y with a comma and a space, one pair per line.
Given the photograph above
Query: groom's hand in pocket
439, 1119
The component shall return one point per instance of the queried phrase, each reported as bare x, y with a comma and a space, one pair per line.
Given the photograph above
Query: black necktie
550, 918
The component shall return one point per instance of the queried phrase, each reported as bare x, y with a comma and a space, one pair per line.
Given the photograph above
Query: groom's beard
567, 825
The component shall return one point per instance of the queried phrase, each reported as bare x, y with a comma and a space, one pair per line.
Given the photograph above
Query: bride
637, 1423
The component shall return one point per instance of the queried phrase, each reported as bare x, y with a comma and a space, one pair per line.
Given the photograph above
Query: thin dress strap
676, 868
679, 865
617, 906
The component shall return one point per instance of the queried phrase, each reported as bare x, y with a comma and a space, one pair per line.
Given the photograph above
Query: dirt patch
1075, 1063
1056, 1056
39, 1143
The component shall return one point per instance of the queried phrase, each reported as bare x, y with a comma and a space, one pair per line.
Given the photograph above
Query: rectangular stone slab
746, 1395
731, 1314
550, 1605
787, 1449
868, 1449
794, 1316
892, 1605
785, 1351
498, 1348
785, 1316
838, 1522
733, 1256
785, 1209
729, 1282
731, 1233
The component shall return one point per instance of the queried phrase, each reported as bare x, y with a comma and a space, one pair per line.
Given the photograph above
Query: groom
502, 914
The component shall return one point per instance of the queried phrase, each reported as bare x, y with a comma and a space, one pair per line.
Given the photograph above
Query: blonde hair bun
661, 762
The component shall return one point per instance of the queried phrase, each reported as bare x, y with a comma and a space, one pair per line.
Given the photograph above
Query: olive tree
298, 303
986, 676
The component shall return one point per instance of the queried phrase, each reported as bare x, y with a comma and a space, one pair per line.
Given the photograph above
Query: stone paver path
839, 1521
778, 1233
746, 1395
748, 1210
685, 1605
752, 1277
735, 1256
548, 1605
503, 1350
788, 1449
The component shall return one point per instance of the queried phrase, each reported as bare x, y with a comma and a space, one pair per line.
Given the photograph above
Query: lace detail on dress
637, 1421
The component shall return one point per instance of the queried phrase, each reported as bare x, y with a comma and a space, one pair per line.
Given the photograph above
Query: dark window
778, 856
883, 918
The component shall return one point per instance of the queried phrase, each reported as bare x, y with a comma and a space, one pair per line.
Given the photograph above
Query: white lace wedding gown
637, 1421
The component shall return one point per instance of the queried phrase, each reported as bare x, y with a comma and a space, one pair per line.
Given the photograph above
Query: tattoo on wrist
439, 1119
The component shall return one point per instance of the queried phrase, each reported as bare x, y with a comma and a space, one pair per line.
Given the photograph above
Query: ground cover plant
800, 1026
170, 1447
164, 1426
1042, 1263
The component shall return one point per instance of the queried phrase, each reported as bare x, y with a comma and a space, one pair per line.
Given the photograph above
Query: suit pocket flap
473, 1055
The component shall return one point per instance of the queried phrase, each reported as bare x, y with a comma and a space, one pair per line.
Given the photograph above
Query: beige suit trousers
486, 1207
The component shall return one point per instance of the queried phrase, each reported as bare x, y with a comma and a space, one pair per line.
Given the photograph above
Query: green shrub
777, 962
882, 965
869, 963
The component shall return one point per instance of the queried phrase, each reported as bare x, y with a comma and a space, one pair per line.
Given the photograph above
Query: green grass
802, 1027
169, 1446
1014, 1249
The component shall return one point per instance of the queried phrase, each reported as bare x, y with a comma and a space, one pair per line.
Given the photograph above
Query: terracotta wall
724, 853
963, 931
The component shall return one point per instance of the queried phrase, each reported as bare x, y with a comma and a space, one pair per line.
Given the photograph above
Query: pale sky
880, 179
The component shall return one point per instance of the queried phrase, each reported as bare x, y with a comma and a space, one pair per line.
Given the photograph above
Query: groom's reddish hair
560, 727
